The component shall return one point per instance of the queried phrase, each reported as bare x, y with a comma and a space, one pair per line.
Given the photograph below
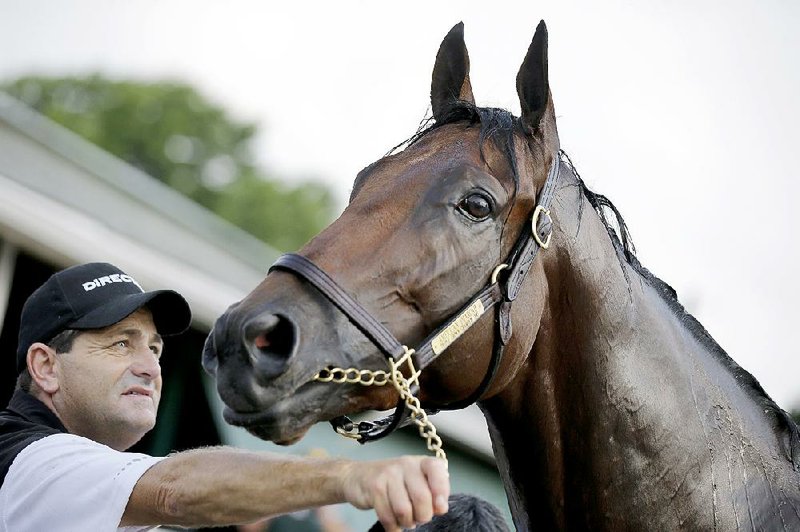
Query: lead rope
402, 384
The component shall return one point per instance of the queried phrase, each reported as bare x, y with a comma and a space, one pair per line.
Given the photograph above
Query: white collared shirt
67, 483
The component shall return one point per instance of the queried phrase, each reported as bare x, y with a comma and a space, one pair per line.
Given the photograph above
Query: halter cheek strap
498, 293
358, 315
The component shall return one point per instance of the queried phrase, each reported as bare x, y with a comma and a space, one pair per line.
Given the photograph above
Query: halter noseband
498, 293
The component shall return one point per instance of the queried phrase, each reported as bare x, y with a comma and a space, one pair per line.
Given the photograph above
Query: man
88, 388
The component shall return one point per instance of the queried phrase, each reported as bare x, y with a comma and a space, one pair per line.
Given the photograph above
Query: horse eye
476, 206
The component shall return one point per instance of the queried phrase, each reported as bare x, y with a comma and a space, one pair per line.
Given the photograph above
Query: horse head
424, 231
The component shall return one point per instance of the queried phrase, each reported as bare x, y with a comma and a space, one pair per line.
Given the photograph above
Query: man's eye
476, 206
121, 344
156, 349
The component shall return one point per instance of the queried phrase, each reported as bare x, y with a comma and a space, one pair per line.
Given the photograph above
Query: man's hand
404, 491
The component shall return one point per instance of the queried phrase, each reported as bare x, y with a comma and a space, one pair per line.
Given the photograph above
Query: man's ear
41, 360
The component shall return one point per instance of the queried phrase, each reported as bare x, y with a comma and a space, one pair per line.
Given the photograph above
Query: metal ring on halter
351, 432
535, 221
497, 270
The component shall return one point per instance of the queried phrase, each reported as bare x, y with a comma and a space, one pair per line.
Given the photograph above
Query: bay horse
478, 244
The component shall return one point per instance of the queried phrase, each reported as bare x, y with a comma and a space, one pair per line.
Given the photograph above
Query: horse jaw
286, 420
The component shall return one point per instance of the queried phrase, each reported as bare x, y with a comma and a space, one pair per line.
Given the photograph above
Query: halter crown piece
499, 293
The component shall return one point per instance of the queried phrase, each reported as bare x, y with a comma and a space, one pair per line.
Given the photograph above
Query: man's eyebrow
137, 333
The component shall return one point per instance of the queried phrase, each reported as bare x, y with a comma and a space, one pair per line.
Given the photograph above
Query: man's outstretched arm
219, 486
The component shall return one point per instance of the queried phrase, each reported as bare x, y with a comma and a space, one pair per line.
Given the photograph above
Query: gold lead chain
364, 377
367, 377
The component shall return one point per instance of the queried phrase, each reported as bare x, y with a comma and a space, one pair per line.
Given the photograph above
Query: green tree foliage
171, 132
796, 416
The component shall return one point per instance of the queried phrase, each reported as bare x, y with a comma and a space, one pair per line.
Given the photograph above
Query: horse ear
450, 81
533, 86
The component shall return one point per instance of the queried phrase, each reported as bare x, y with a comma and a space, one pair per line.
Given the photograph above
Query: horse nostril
263, 341
270, 341
209, 360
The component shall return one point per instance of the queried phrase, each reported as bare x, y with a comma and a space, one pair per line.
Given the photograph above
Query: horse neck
619, 399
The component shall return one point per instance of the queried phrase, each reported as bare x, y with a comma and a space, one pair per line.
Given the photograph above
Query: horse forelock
496, 125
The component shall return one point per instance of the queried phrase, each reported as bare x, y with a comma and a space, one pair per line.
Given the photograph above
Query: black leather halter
498, 293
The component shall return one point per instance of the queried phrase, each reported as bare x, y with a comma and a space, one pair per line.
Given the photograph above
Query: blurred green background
172, 132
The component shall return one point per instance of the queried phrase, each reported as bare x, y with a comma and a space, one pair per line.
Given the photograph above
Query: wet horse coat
612, 408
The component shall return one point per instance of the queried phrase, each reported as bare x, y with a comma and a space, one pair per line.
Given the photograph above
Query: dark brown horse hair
500, 126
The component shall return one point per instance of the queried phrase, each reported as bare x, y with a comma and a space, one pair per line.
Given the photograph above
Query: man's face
109, 383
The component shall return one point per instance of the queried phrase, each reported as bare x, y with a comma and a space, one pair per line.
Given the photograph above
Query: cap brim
171, 312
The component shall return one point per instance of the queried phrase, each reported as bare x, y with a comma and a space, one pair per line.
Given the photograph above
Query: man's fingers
400, 499
423, 493
404, 491
385, 513
438, 478
420, 494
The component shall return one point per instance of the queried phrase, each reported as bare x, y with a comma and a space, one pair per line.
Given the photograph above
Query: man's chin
139, 409
144, 425
134, 427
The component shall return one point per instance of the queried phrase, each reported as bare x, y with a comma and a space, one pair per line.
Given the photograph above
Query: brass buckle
353, 433
534, 222
497, 271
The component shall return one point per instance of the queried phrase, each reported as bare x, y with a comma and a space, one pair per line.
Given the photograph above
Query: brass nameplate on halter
464, 321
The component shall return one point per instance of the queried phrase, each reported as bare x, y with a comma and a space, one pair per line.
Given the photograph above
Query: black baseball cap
93, 296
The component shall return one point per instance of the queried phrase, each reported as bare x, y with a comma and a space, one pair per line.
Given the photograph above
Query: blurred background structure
190, 142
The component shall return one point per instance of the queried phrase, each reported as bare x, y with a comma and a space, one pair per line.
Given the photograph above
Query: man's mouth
139, 391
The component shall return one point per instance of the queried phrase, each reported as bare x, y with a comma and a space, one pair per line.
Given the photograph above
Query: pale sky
683, 113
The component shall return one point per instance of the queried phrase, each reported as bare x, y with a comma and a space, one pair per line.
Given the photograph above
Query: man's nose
146, 364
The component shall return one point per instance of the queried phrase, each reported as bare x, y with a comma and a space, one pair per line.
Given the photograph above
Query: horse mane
621, 239
500, 126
